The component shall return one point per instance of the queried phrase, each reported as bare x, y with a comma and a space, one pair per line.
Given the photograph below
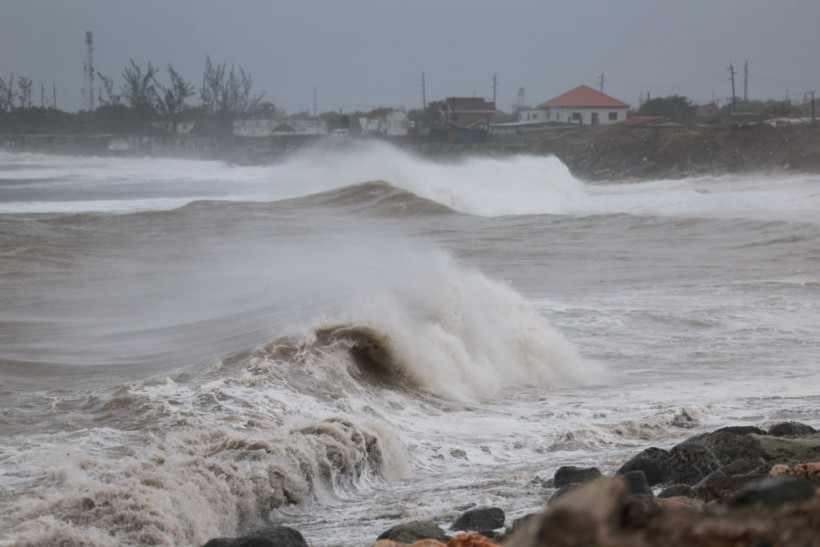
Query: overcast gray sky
365, 53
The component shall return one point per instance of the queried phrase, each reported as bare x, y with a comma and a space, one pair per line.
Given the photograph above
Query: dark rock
677, 490
280, 536
722, 489
410, 532
689, 462
652, 462
563, 490
744, 466
741, 430
791, 429
479, 519
636, 482
638, 510
570, 474
717, 474
774, 491
729, 447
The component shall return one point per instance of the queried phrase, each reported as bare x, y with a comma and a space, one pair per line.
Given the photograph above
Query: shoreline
736, 486
596, 154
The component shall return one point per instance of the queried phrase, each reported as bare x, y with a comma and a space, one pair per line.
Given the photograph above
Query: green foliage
674, 107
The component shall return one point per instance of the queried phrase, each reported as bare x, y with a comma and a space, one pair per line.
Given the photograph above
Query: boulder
728, 447
570, 474
563, 490
636, 482
744, 466
791, 429
279, 536
677, 491
774, 491
690, 462
409, 532
652, 462
800, 449
480, 519
722, 488
806, 471
741, 430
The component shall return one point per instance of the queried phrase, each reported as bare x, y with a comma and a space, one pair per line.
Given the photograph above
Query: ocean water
355, 336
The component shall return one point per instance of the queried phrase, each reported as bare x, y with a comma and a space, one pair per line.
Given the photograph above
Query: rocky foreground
734, 487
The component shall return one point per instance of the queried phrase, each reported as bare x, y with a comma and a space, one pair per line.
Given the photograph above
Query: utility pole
54, 96
521, 95
601, 87
495, 85
88, 69
42, 95
746, 82
423, 92
813, 117
734, 100
314, 101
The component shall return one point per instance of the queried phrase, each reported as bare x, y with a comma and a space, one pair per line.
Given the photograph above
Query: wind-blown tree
226, 93
7, 94
25, 92
172, 100
140, 89
110, 98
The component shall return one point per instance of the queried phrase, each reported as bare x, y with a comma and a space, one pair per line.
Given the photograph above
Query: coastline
612, 153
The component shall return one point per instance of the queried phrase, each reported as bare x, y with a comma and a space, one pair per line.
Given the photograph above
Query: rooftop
583, 96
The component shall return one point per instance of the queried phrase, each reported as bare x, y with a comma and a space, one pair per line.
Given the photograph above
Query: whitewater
356, 336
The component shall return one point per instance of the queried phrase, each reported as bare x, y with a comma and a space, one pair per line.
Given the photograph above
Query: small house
581, 105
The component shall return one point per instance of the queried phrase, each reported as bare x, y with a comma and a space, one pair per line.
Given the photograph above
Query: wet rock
652, 462
582, 517
638, 510
741, 430
680, 503
690, 462
773, 491
791, 429
480, 519
570, 474
279, 536
409, 532
744, 466
718, 473
678, 490
790, 450
636, 483
722, 488
728, 447
563, 490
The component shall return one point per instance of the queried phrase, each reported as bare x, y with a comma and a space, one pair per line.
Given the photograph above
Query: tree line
225, 90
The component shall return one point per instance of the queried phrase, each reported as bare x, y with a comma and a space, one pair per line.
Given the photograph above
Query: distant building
385, 121
468, 112
582, 105
263, 128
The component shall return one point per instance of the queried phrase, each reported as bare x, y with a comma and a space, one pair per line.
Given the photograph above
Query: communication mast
88, 72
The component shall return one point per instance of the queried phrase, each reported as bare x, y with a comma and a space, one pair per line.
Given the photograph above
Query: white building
582, 105
270, 128
385, 121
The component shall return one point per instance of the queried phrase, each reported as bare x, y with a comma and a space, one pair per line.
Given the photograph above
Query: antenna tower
88, 72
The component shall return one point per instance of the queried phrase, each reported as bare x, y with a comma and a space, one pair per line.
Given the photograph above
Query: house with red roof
582, 105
